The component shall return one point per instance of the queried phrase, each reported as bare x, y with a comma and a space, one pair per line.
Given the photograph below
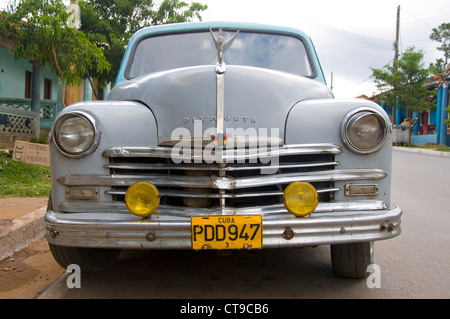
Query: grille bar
226, 183
206, 167
221, 156
176, 193
169, 210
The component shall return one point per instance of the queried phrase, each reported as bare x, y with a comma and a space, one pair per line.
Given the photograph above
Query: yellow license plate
226, 232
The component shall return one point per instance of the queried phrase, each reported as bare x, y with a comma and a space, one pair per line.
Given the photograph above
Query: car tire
352, 260
88, 259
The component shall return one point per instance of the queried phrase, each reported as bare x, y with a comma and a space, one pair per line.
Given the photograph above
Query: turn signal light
142, 199
300, 199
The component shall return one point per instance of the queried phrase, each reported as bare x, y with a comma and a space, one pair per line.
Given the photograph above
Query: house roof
8, 41
434, 80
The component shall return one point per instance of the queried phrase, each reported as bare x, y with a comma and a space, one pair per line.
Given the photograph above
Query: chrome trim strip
175, 193
202, 167
126, 231
228, 155
235, 141
89, 207
216, 182
220, 103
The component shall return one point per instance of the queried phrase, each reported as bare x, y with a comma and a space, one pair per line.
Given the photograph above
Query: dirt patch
28, 272
14, 207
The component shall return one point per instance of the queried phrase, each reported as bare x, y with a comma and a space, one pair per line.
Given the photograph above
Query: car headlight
75, 134
364, 130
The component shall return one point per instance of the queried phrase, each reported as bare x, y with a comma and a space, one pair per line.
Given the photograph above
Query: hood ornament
221, 47
220, 138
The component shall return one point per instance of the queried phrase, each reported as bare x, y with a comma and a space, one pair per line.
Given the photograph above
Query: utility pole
396, 45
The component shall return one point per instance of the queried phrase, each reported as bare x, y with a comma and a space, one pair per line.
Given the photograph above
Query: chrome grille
231, 184
234, 179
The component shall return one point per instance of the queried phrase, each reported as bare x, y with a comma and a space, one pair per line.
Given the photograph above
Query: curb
422, 151
55, 289
19, 233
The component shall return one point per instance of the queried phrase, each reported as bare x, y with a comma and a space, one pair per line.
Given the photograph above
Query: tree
44, 37
405, 87
442, 35
111, 23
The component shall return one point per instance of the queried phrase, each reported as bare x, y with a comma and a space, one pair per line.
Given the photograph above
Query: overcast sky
349, 35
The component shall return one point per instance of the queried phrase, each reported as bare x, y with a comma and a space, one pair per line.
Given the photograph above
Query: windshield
270, 51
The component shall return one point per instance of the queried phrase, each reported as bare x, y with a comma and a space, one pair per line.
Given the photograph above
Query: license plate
226, 232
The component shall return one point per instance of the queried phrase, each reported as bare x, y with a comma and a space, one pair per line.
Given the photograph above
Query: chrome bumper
106, 230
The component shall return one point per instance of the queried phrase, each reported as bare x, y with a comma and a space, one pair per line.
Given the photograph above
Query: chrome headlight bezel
91, 125
352, 118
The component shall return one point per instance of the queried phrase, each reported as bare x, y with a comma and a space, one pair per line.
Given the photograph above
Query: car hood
255, 99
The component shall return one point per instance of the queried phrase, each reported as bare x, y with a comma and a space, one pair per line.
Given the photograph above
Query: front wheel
352, 260
89, 259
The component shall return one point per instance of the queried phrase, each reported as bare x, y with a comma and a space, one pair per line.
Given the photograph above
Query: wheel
89, 259
352, 260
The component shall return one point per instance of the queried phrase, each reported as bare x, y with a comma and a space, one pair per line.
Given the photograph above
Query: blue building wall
436, 118
12, 77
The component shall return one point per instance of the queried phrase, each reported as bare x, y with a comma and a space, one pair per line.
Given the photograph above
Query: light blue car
220, 136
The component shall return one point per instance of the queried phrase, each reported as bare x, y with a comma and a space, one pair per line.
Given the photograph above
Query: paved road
413, 265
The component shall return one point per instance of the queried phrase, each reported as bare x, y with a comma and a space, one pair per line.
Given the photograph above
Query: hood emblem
221, 47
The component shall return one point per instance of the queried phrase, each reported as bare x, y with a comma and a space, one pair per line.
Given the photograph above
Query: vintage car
220, 136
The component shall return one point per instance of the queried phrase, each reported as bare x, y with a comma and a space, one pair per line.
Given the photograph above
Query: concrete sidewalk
21, 223
422, 151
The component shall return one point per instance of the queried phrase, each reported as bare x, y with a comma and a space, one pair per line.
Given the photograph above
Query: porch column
87, 90
443, 115
59, 105
398, 119
36, 97
438, 114
106, 91
416, 126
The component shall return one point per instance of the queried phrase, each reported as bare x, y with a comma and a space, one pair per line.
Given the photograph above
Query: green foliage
442, 34
438, 67
405, 84
431, 146
39, 140
111, 23
18, 179
44, 37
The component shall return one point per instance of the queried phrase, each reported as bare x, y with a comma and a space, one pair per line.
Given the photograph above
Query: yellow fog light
300, 199
142, 199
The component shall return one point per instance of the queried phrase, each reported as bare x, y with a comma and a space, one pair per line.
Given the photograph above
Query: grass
18, 179
433, 147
